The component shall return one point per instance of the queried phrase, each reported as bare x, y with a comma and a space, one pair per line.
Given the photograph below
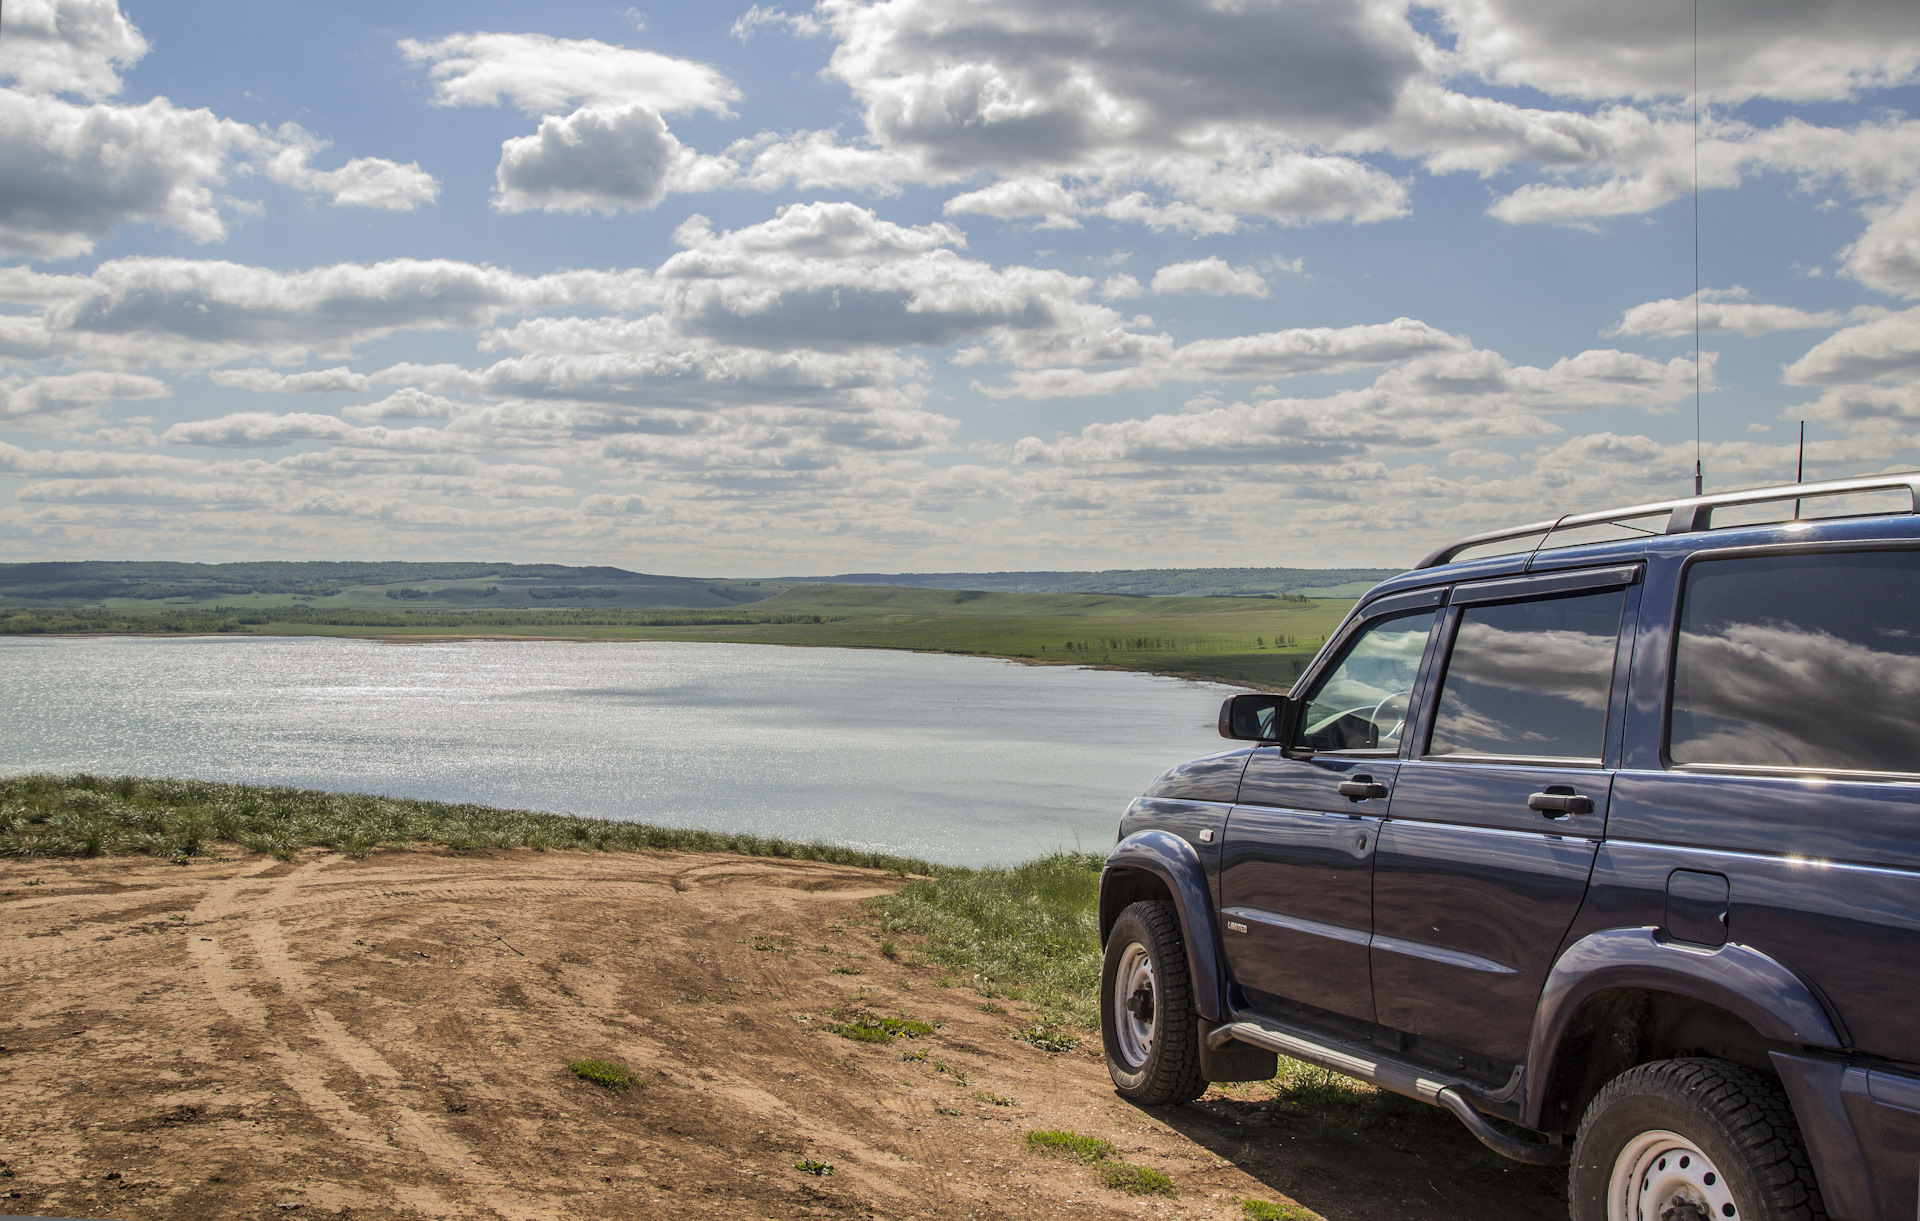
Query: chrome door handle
1560, 800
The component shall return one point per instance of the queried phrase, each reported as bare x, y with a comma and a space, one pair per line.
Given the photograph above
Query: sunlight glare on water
955, 759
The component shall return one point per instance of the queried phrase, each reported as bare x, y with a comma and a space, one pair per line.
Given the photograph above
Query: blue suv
1614, 838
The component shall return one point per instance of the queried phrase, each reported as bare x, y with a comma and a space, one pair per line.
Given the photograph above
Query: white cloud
1019, 197
68, 46
191, 311
266, 381
756, 19
601, 160
407, 403
1644, 48
1274, 354
71, 398
1210, 276
544, 75
1887, 255
1884, 349
247, 429
366, 182
1721, 310
1120, 287
71, 174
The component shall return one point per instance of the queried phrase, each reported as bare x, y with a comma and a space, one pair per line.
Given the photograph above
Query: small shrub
889, 949
1266, 1210
817, 1169
990, 1007
920, 1055
999, 1100
604, 1073
848, 971
1136, 1180
1089, 1149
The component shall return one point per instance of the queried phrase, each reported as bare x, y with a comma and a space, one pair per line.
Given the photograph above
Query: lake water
955, 759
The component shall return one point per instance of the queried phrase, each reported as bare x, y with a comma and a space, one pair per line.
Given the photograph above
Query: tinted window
1362, 704
1800, 661
1530, 678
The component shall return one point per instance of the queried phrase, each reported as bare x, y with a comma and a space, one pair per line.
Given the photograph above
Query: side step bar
1390, 1073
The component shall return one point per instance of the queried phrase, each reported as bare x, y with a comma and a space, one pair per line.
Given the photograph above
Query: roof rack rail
1687, 515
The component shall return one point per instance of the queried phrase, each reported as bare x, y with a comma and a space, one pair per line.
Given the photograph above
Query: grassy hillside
1261, 642
140, 585
1151, 582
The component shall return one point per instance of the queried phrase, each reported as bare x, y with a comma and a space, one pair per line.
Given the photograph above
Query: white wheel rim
1663, 1176
1135, 1033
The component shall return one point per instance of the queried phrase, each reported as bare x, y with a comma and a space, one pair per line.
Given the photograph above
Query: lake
956, 759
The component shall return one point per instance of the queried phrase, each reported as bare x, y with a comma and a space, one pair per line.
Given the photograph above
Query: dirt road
388, 1038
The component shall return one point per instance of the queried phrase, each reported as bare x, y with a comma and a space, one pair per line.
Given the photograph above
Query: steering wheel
1379, 709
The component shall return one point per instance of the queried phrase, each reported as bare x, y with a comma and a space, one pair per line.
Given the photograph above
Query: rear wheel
1691, 1140
1147, 1020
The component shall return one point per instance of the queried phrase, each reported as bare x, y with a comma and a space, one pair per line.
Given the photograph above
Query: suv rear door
1494, 822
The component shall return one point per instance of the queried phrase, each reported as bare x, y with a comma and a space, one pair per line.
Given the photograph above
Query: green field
1260, 642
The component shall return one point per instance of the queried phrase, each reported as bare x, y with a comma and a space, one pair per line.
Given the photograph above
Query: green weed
880, 1030
605, 1073
999, 1100
818, 1169
1049, 1038
1266, 1210
1088, 1149
1136, 1180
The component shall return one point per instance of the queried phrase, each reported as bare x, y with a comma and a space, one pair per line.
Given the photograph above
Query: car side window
1530, 679
1800, 661
1361, 704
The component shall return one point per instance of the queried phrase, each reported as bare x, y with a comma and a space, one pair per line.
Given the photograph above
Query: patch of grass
1089, 1149
1330, 1106
817, 1169
1267, 1210
82, 815
889, 949
917, 1056
999, 1100
1029, 932
880, 1030
846, 971
991, 1007
1136, 1180
605, 1073
1049, 1038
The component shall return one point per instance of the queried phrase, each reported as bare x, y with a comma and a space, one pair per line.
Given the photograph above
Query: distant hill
1140, 582
363, 584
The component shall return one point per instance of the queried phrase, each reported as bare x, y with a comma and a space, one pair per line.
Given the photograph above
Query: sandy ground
387, 1038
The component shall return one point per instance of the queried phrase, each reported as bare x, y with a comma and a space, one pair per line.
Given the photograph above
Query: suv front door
1296, 877
1495, 820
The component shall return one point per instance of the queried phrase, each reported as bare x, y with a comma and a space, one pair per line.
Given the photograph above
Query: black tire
1169, 1070
1738, 1118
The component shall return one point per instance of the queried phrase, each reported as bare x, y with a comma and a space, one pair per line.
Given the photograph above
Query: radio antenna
1699, 472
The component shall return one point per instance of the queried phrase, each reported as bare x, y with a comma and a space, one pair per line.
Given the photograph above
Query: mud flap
1234, 1060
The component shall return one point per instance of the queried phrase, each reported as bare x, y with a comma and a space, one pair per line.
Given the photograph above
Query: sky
925, 285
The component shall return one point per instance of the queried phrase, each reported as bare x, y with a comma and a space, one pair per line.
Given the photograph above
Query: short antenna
1800, 468
1699, 472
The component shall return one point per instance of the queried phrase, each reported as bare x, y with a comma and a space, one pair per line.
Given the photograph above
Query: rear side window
1800, 661
1530, 679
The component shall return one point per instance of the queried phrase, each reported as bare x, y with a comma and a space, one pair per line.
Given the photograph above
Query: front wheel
1691, 1140
1147, 1019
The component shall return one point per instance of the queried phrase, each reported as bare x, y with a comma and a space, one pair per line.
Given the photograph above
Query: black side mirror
1252, 718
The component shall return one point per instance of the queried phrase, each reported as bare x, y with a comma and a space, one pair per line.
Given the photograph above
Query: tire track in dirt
306, 1075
